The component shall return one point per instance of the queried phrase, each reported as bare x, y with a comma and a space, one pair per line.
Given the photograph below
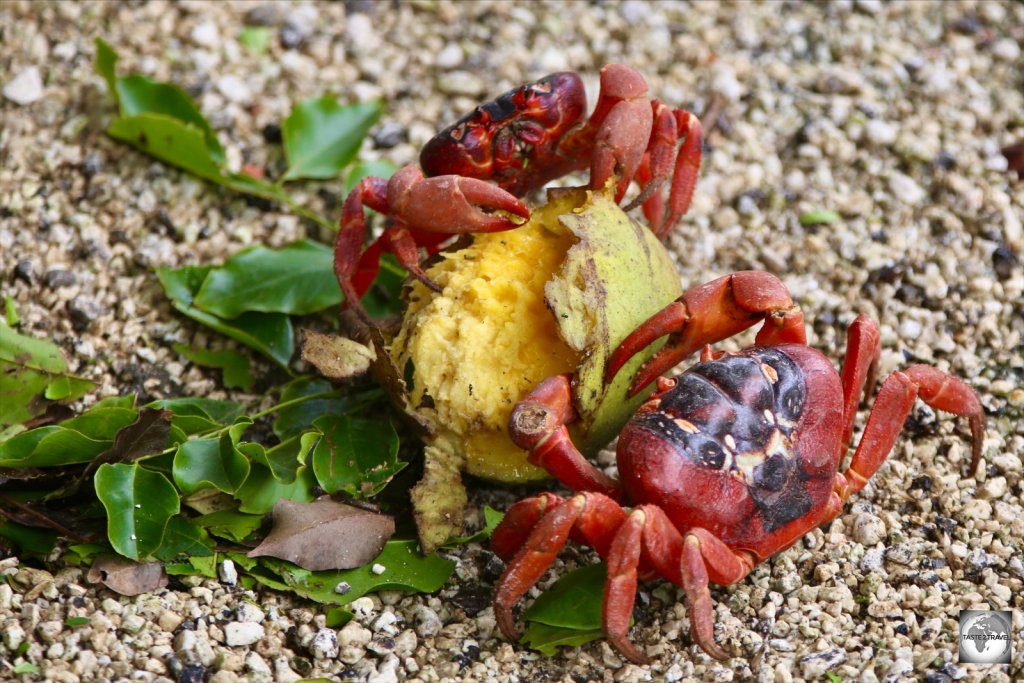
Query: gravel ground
892, 115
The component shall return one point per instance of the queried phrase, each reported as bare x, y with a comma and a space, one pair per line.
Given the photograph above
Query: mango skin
556, 295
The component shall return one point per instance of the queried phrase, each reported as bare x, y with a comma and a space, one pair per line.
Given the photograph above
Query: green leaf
106, 64
73, 441
183, 538
30, 370
29, 540
256, 38
192, 415
404, 569
321, 136
492, 518
139, 504
355, 455
74, 622
230, 524
819, 217
262, 489
169, 139
212, 463
25, 668
574, 601
194, 566
297, 279
10, 312
547, 639
294, 419
269, 333
237, 373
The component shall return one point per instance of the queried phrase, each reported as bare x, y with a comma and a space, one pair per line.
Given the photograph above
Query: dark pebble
1004, 262
272, 134
193, 673
58, 277
25, 271
92, 164
83, 312
262, 15
389, 135
290, 37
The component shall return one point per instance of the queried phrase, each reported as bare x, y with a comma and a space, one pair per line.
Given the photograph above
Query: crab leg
623, 120
860, 368
892, 405
710, 313
538, 425
648, 537
593, 516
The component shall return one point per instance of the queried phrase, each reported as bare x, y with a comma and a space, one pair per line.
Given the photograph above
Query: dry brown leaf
127, 577
325, 535
336, 357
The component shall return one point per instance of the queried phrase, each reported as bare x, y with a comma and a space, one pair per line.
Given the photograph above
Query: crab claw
451, 204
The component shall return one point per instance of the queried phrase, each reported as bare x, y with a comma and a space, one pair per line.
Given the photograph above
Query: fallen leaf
325, 535
127, 577
336, 357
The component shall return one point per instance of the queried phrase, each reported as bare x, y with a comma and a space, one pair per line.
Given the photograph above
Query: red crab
723, 466
519, 142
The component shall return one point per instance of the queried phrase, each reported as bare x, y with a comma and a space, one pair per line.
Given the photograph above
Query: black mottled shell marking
738, 415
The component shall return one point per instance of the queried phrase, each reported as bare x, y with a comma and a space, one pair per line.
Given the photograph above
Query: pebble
325, 644
868, 529
234, 89
25, 88
880, 132
815, 666
460, 83
242, 633
206, 34
906, 189
227, 572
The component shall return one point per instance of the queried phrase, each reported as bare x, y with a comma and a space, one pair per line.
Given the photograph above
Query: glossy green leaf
574, 602
194, 566
230, 524
269, 333
294, 419
192, 415
212, 463
74, 622
176, 142
139, 504
183, 538
262, 490
492, 518
297, 279
237, 373
10, 312
29, 540
32, 370
547, 639
77, 440
404, 569
106, 64
321, 137
355, 455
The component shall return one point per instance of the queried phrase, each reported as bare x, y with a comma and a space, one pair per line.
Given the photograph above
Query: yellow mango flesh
486, 340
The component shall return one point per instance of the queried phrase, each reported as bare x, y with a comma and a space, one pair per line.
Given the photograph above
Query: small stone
58, 277
169, 621
909, 329
250, 613
133, 623
880, 132
342, 588
206, 35
325, 644
449, 57
227, 572
354, 635
814, 666
25, 88
242, 633
84, 311
1006, 49
49, 631
390, 134
234, 89
906, 189
193, 673
460, 83
427, 622
872, 560
635, 11
378, 569
256, 664
994, 488
362, 608
25, 271
13, 635
867, 528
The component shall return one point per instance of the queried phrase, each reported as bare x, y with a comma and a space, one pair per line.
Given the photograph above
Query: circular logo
984, 638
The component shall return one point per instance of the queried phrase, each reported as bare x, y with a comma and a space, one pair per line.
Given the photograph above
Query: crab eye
712, 455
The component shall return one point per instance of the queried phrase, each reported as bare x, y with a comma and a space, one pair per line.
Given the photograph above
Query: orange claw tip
491, 197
